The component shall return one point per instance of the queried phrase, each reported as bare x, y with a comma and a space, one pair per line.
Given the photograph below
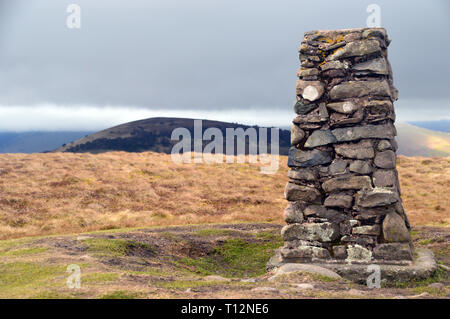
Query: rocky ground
204, 261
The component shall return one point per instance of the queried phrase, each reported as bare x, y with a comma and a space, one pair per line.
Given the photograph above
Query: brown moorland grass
56, 193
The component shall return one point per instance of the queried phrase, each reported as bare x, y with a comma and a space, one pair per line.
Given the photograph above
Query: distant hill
442, 125
36, 142
417, 141
153, 134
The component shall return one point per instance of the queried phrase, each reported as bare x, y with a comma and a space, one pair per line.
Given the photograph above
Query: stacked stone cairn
343, 190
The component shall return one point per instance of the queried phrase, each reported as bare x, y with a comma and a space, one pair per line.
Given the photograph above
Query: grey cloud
200, 54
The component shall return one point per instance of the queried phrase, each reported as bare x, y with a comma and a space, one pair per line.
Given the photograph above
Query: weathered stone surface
323, 112
297, 135
320, 137
338, 119
353, 89
302, 108
347, 107
308, 268
376, 197
377, 66
305, 252
394, 229
361, 167
385, 159
306, 174
360, 150
298, 158
378, 110
357, 252
340, 252
384, 145
307, 72
346, 183
338, 166
294, 192
320, 211
367, 230
339, 200
310, 90
334, 65
323, 232
357, 48
293, 213
347, 134
384, 178
395, 251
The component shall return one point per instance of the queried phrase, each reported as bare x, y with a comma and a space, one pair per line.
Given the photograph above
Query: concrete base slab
423, 266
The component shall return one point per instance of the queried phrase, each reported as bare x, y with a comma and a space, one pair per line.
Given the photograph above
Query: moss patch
236, 258
117, 247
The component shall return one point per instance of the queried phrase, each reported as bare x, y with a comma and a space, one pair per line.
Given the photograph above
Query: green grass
235, 258
25, 251
440, 275
216, 232
114, 247
26, 276
99, 277
432, 291
121, 294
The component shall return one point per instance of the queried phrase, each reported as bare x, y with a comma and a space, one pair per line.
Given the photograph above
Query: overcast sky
230, 60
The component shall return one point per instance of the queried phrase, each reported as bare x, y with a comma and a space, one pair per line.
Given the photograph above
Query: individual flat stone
294, 192
338, 166
340, 252
384, 145
339, 200
310, 90
307, 268
366, 230
395, 251
376, 197
307, 72
334, 65
347, 183
321, 211
298, 158
385, 159
358, 253
353, 89
305, 252
376, 66
347, 134
303, 108
305, 174
293, 213
361, 167
357, 48
384, 178
319, 138
297, 135
360, 150
347, 107
322, 232
394, 229
378, 110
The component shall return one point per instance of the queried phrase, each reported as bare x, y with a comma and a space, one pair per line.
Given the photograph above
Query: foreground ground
85, 208
207, 261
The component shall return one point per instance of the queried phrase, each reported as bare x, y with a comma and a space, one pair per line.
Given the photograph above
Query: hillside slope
153, 134
417, 141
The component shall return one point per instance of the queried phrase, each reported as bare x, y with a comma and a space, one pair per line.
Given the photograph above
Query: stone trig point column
343, 190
